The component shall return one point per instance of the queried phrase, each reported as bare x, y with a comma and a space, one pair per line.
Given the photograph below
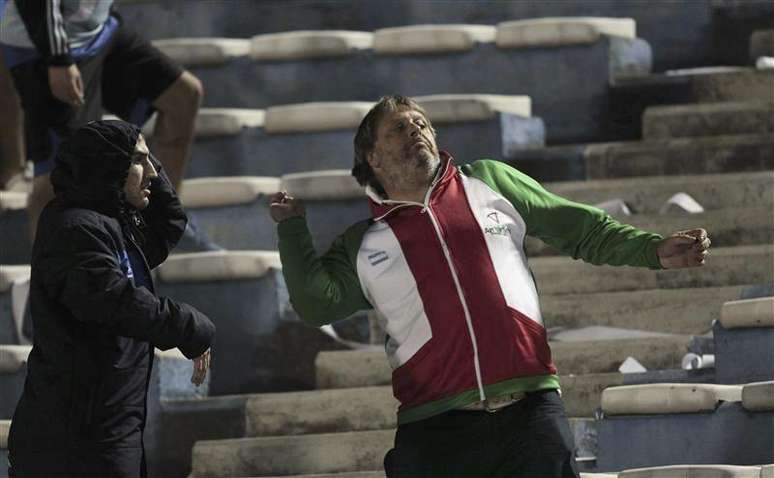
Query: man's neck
413, 195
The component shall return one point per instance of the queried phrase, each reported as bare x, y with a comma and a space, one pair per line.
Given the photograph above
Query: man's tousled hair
366, 137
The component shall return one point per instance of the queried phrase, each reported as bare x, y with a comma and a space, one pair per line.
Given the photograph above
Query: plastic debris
693, 361
631, 365
683, 203
615, 207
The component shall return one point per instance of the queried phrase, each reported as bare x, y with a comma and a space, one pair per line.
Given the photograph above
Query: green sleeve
581, 231
324, 288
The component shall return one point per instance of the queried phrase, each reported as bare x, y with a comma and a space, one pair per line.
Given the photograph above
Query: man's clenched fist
282, 206
684, 249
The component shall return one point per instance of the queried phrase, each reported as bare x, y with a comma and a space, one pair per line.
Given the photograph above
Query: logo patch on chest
494, 228
377, 257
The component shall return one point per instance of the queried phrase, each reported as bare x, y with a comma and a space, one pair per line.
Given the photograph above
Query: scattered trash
615, 207
765, 63
681, 202
631, 365
693, 361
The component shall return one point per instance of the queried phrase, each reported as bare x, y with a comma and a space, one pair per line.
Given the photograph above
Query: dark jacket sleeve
45, 26
82, 272
165, 218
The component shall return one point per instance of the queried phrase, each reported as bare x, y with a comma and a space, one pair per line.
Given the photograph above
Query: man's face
405, 154
141, 172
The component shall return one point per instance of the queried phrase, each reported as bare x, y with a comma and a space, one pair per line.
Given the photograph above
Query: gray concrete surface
721, 154
744, 355
708, 119
724, 267
678, 311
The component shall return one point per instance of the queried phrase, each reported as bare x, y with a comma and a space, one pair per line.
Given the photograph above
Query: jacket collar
381, 207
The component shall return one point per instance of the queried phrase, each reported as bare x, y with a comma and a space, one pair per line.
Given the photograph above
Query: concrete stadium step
15, 247
332, 454
631, 96
742, 339
726, 266
727, 227
185, 422
355, 368
684, 417
14, 286
380, 474
708, 119
583, 54
677, 311
706, 155
293, 455
316, 136
260, 345
233, 212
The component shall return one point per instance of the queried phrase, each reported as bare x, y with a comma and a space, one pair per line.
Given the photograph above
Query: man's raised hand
66, 84
282, 206
684, 249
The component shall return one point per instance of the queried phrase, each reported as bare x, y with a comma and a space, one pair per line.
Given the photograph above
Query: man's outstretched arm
324, 288
588, 233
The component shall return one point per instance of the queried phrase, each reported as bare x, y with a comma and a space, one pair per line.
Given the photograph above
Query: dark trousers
529, 439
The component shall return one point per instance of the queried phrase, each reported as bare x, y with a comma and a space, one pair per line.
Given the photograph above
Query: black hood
92, 166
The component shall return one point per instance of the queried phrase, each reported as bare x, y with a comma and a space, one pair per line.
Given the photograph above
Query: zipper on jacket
461, 295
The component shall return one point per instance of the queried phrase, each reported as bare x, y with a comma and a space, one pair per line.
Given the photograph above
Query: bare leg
42, 193
177, 108
11, 128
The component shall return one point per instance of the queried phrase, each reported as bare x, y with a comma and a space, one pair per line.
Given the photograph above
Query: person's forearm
320, 293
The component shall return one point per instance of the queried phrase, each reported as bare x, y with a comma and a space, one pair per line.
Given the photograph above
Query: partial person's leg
12, 155
48, 121
177, 108
542, 443
455, 444
139, 79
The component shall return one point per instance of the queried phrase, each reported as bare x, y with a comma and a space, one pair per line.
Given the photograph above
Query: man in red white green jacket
443, 262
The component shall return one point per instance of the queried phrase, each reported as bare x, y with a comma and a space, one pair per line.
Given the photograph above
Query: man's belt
494, 404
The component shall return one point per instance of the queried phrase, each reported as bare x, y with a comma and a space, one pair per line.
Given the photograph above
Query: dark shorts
124, 78
529, 439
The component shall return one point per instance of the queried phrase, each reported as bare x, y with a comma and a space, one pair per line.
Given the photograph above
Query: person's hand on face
66, 84
138, 179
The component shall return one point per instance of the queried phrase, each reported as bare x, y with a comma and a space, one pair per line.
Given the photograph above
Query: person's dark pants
529, 439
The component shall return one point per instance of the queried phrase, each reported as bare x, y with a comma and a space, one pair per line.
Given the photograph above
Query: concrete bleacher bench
12, 302
233, 211
317, 136
260, 344
15, 244
695, 423
13, 370
708, 119
631, 96
309, 44
451, 59
743, 336
696, 471
207, 52
419, 39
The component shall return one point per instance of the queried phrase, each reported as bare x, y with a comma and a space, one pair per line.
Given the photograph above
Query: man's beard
418, 171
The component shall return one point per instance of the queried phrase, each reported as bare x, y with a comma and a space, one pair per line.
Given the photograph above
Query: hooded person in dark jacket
96, 316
